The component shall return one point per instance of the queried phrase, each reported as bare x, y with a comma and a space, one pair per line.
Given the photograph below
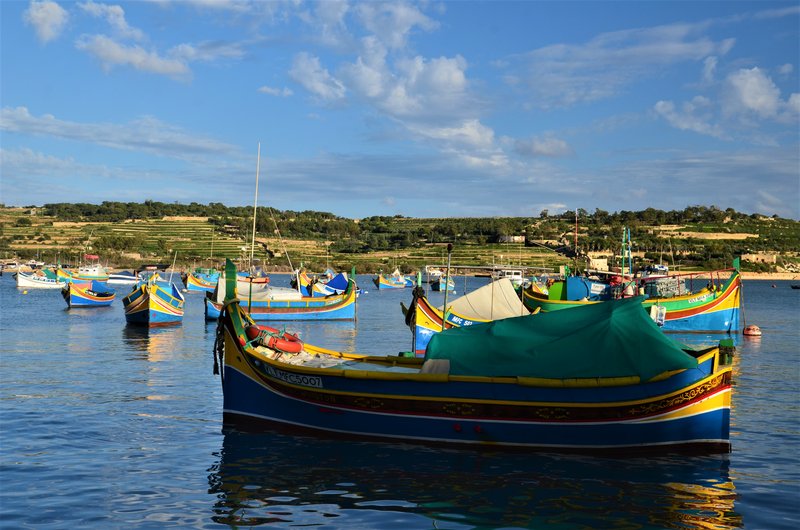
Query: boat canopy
494, 301
338, 282
609, 339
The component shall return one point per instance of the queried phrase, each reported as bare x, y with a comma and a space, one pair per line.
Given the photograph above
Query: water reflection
155, 343
288, 480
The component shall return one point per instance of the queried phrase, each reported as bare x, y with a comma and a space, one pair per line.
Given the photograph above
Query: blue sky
423, 109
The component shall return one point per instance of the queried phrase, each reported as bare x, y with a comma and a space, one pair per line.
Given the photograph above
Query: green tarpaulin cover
608, 339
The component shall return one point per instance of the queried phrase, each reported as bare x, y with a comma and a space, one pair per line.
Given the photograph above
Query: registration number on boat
295, 379
697, 299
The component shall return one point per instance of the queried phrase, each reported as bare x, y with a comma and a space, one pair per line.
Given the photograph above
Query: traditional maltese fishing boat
598, 378
395, 280
701, 302
274, 306
201, 281
88, 294
91, 271
154, 302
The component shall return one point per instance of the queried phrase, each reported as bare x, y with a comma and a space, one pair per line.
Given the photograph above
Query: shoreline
770, 276
745, 275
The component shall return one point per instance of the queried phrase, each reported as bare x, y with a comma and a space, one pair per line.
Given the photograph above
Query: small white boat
123, 278
38, 280
515, 275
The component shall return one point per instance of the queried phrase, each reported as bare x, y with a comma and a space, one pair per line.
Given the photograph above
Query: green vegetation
127, 234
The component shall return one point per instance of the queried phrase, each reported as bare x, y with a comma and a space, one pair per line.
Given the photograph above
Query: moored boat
91, 271
123, 278
154, 302
87, 294
39, 279
200, 282
396, 280
333, 307
336, 285
443, 284
598, 378
494, 301
673, 302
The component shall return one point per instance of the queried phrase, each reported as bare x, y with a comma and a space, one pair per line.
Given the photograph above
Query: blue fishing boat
334, 307
396, 280
154, 302
88, 294
598, 378
200, 281
694, 302
336, 285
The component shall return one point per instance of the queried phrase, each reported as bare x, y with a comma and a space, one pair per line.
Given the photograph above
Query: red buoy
752, 331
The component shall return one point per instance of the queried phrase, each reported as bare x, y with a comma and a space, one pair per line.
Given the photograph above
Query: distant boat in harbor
40, 279
123, 278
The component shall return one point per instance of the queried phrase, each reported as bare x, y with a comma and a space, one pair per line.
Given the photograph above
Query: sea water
104, 425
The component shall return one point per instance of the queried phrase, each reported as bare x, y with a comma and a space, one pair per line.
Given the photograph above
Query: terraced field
196, 239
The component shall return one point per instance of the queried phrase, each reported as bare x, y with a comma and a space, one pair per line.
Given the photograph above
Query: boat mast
255, 208
446, 279
576, 241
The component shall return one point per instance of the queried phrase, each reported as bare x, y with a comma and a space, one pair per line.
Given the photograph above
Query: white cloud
469, 142
47, 18
752, 91
794, 103
695, 115
308, 72
786, 69
469, 133
547, 146
146, 134
709, 68
111, 53
391, 22
115, 16
280, 92
329, 21
367, 80
206, 51
427, 89
568, 74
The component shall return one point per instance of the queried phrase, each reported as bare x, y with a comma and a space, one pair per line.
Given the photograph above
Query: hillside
129, 234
